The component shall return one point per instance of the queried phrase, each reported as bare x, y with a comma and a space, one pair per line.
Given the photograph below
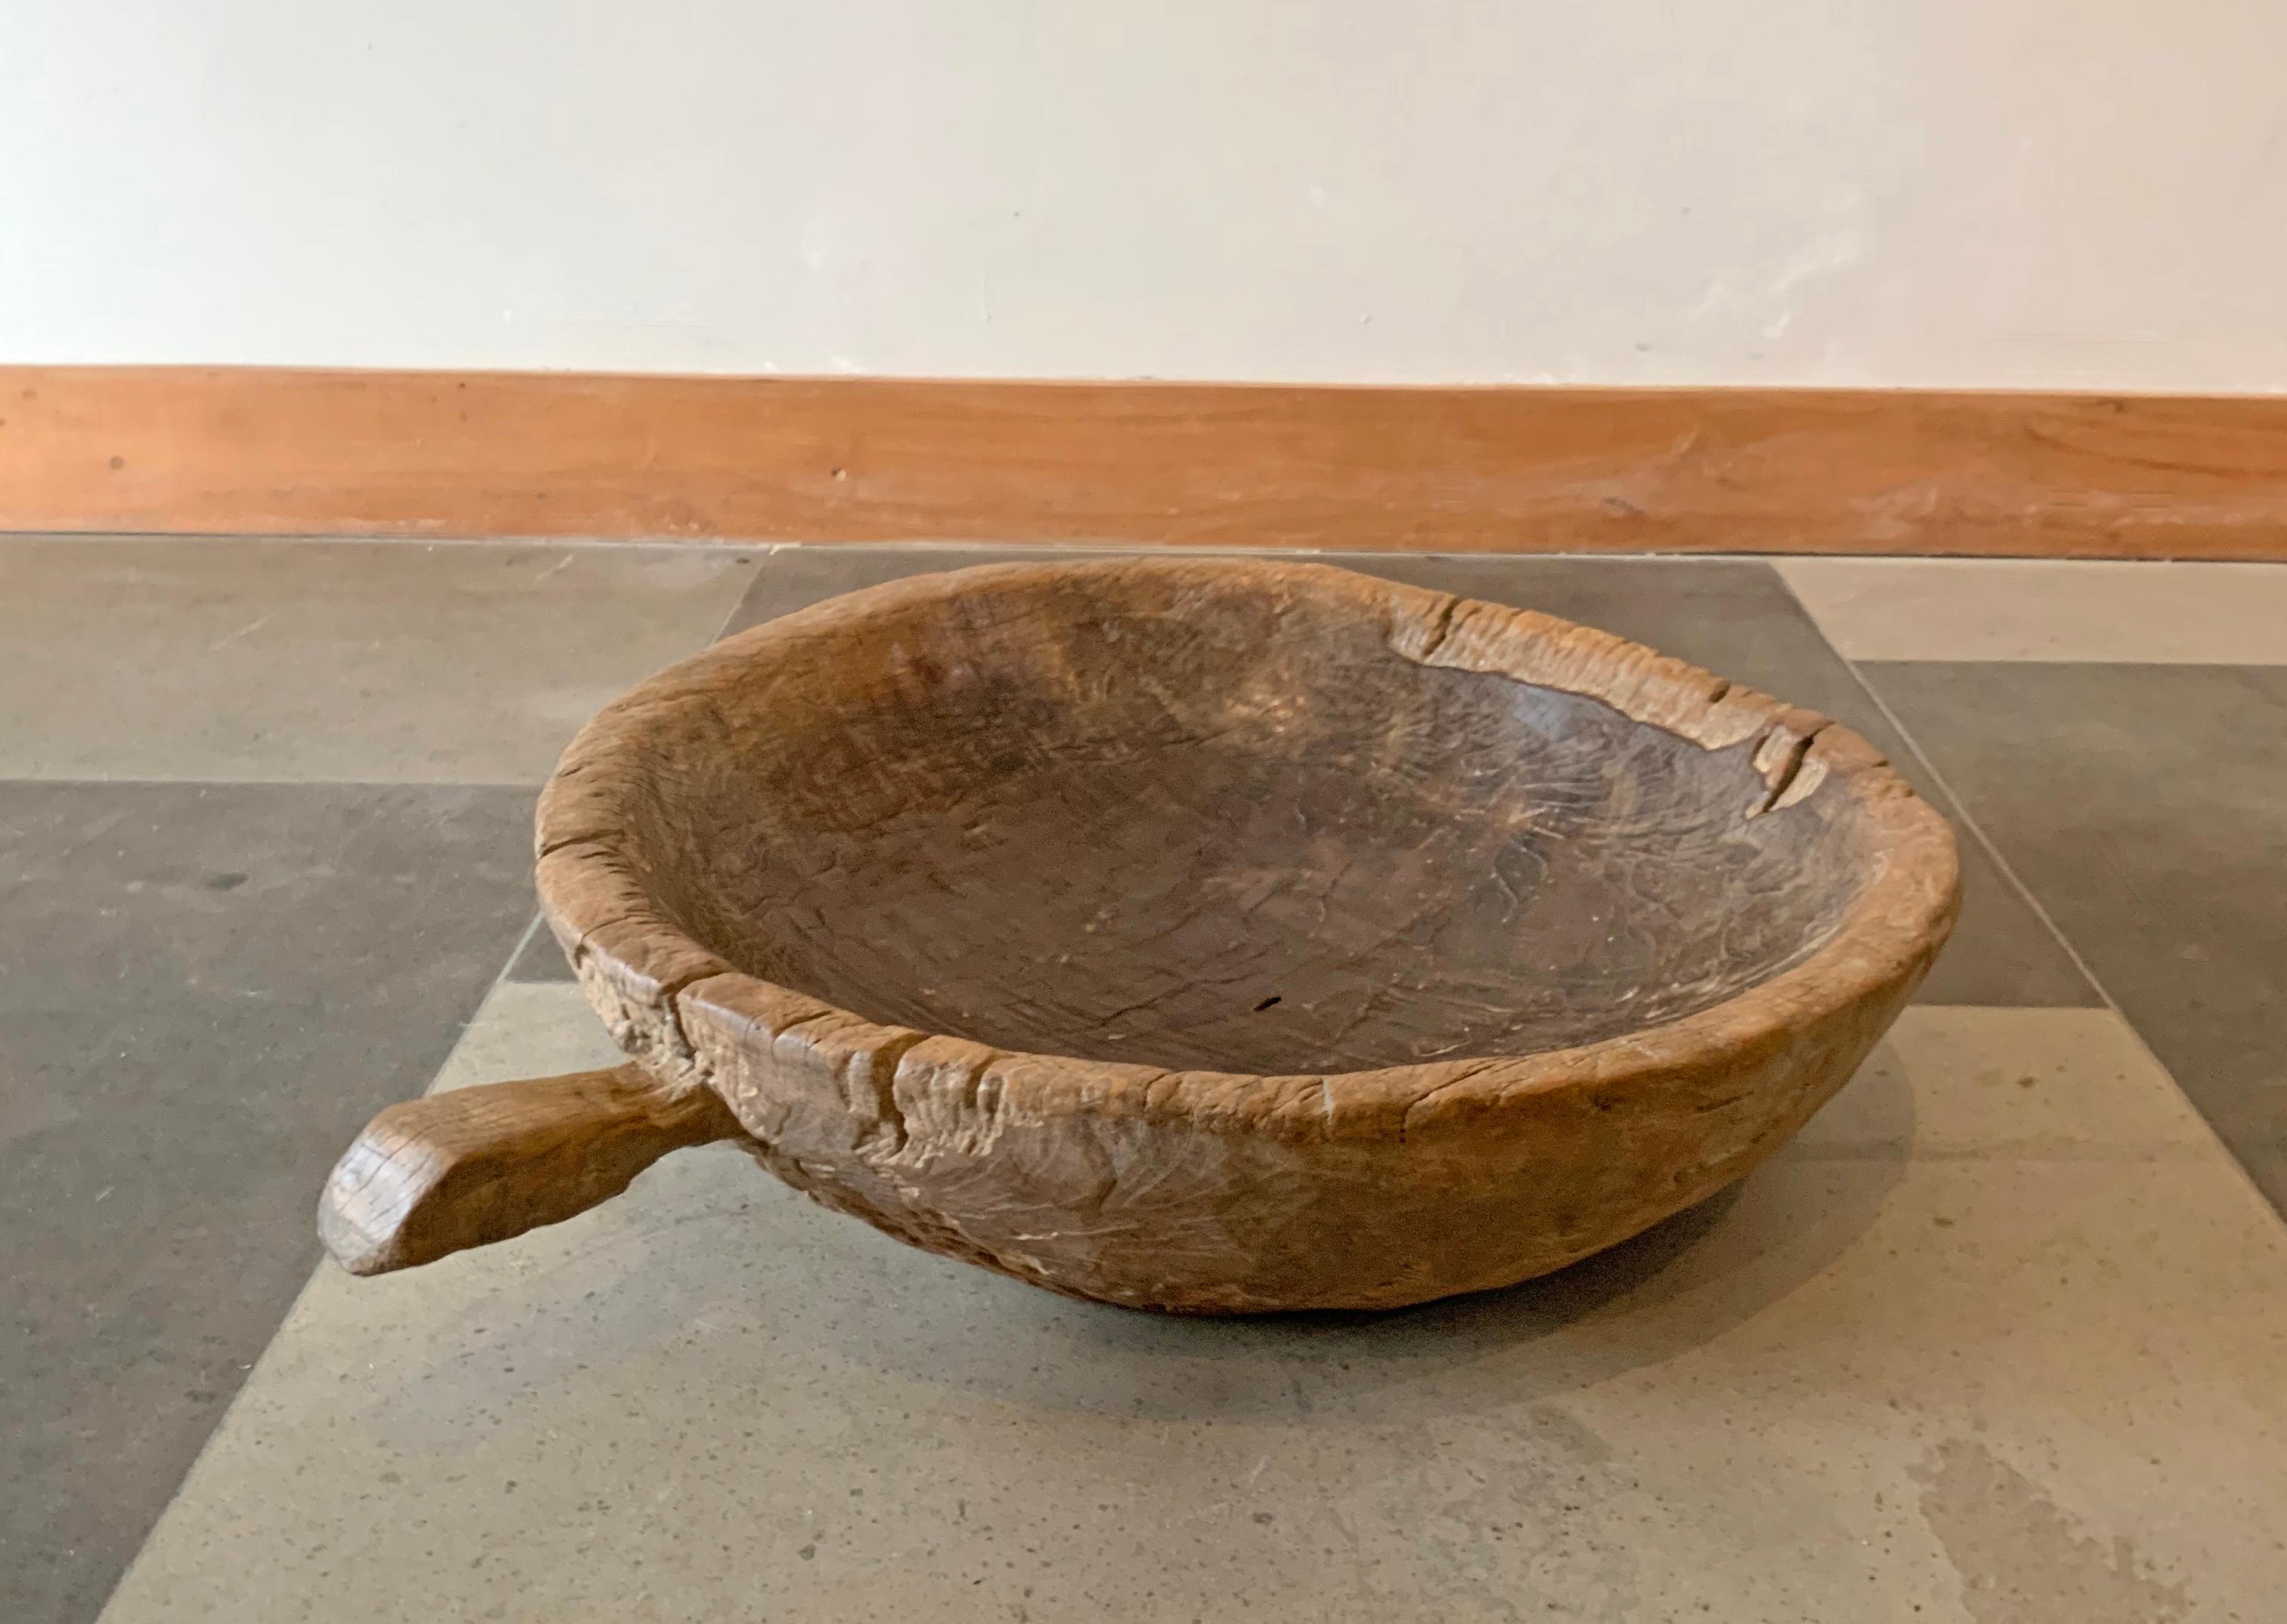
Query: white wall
1925, 192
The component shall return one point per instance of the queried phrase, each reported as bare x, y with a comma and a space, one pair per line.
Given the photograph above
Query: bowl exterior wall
1172, 1214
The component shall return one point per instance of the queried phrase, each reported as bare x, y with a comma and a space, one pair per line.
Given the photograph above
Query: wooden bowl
1199, 935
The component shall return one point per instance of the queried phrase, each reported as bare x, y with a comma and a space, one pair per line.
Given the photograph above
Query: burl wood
1208, 936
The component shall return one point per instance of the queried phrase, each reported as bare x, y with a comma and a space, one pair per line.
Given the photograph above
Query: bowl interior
1223, 827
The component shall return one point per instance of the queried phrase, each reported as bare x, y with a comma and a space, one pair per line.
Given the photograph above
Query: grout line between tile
514, 954
2016, 883
1953, 801
532, 929
247, 1377
1977, 832
753, 577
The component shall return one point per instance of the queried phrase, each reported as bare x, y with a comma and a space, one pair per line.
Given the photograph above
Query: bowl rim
648, 977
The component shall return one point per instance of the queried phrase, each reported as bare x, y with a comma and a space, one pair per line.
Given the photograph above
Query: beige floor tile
2026, 1083
2025, 1383
1943, 608
527, 1030
208, 659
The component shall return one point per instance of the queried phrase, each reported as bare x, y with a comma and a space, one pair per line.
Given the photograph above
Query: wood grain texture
474, 1165
271, 452
1225, 935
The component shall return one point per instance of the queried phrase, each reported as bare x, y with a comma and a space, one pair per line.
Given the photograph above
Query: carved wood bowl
1199, 935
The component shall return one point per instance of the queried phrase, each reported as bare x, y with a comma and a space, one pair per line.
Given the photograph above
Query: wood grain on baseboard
265, 450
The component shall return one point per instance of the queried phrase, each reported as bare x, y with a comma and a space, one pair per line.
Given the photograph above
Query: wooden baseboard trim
262, 451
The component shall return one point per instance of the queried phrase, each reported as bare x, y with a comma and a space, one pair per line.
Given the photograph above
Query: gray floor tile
291, 661
2035, 1084
2146, 807
204, 990
1735, 617
1968, 1352
793, 578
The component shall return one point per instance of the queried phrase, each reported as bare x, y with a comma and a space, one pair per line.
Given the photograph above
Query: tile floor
2002, 1337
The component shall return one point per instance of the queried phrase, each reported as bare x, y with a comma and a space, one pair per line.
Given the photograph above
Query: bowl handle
475, 1165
